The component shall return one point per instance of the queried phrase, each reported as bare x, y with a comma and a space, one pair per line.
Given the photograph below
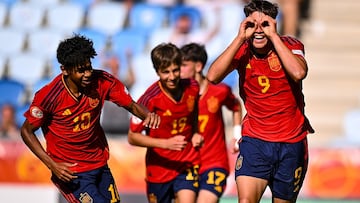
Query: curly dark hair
263, 6
75, 51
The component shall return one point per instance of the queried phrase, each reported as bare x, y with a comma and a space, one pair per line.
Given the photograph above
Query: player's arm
150, 119
237, 119
177, 142
61, 170
294, 65
222, 65
197, 139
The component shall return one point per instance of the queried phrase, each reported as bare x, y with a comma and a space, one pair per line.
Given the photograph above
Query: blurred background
125, 31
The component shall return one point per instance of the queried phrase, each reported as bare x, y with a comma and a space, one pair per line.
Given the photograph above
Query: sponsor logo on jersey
85, 198
36, 112
167, 113
67, 112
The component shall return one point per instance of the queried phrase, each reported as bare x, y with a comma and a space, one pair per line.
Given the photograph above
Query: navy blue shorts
165, 192
92, 186
213, 180
284, 165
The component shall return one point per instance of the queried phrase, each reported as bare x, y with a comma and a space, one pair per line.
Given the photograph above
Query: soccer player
214, 167
68, 112
172, 157
273, 150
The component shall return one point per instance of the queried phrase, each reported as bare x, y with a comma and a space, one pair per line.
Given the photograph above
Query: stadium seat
45, 3
125, 42
65, 17
352, 126
12, 92
27, 68
107, 17
12, 41
44, 42
147, 17
26, 16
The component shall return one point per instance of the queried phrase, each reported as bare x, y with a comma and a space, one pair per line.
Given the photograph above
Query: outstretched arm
61, 170
150, 119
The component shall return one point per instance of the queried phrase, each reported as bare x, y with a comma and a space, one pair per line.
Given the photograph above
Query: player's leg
291, 171
253, 168
107, 185
160, 192
212, 184
186, 186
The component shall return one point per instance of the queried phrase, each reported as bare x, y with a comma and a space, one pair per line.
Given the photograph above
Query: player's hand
197, 140
268, 25
234, 145
247, 28
63, 172
152, 120
177, 143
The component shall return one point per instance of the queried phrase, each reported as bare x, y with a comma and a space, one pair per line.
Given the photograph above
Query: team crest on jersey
93, 102
274, 62
36, 112
190, 103
213, 104
85, 198
152, 198
239, 162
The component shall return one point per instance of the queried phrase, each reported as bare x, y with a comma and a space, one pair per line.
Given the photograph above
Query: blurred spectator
8, 126
184, 32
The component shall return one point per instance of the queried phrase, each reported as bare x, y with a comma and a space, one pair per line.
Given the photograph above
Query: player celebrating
172, 160
273, 150
68, 111
214, 160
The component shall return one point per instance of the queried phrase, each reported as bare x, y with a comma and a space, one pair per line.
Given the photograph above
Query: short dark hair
194, 52
165, 54
75, 51
263, 6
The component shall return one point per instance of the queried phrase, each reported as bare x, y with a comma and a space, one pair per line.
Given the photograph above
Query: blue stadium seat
128, 41
146, 17
12, 92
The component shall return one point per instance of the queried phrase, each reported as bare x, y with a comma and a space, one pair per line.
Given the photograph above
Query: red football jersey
177, 118
71, 126
274, 103
211, 125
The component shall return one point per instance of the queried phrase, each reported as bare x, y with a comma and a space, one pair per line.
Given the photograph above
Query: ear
198, 67
63, 70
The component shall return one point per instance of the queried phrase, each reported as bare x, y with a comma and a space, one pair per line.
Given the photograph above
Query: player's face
170, 77
81, 75
259, 40
188, 69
